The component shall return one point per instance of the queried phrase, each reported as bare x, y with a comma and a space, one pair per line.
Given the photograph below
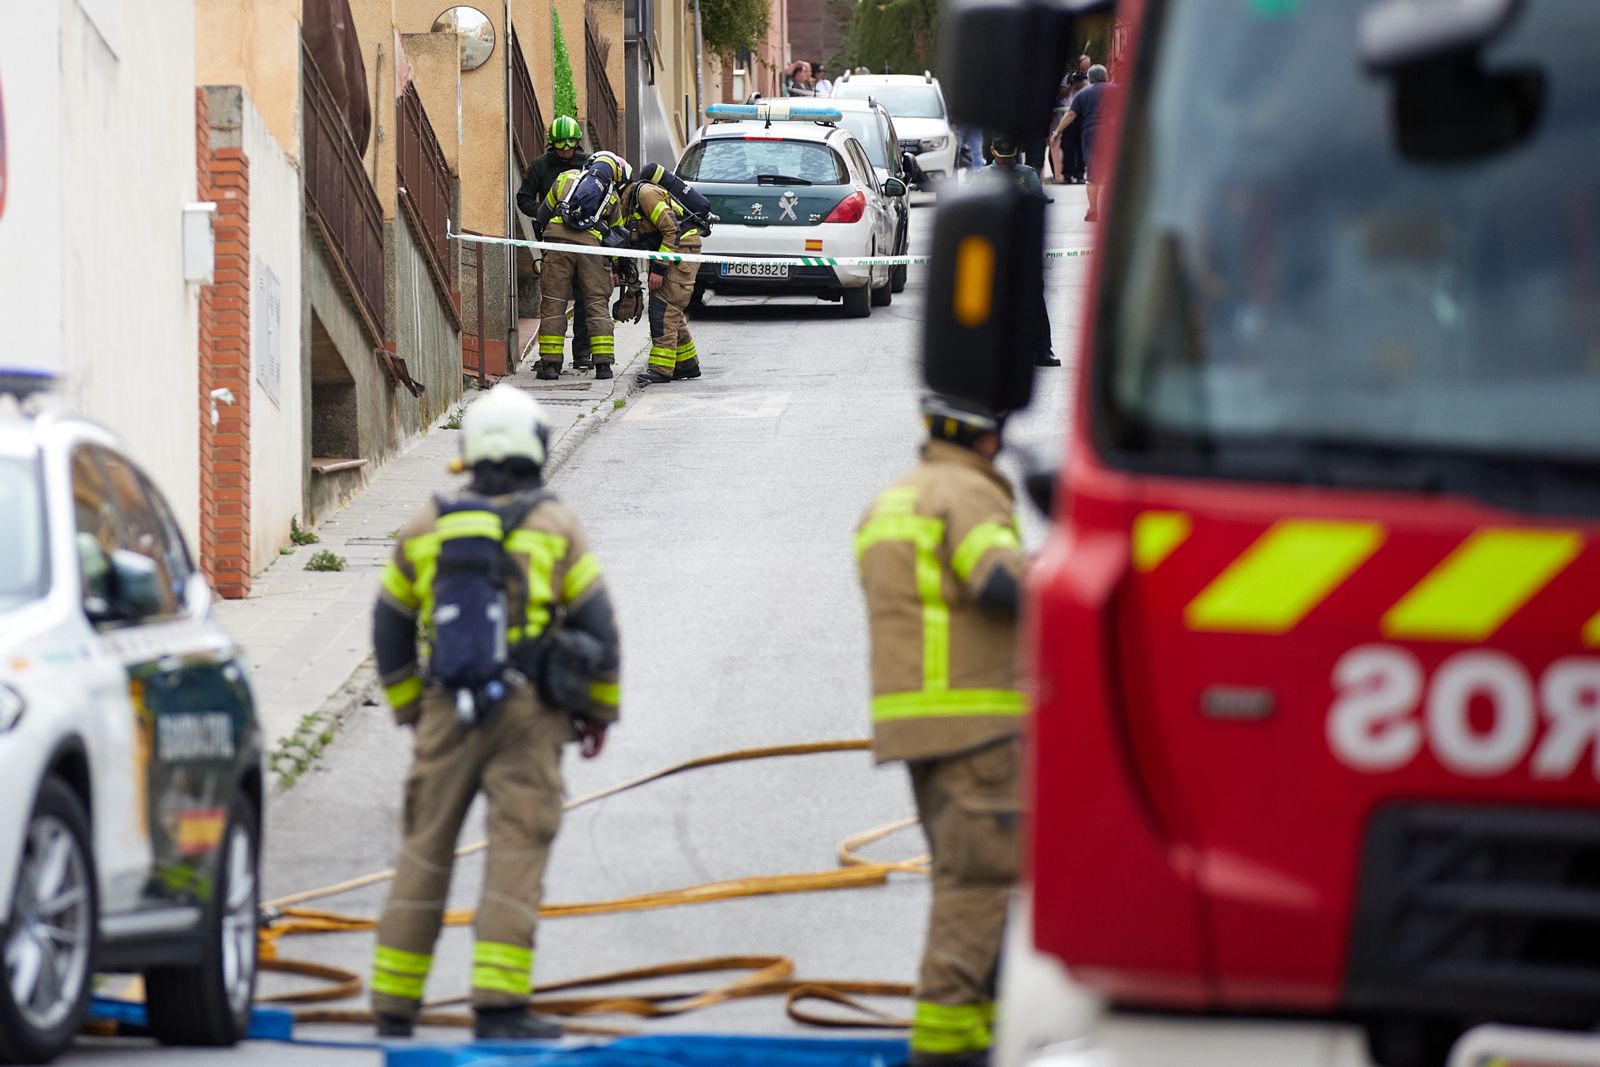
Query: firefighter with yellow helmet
941, 565
581, 208
521, 656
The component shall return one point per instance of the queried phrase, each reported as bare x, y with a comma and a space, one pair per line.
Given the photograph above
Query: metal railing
603, 118
425, 189
340, 199
527, 121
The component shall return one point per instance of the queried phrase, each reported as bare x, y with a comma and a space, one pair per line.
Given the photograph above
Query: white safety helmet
505, 424
620, 169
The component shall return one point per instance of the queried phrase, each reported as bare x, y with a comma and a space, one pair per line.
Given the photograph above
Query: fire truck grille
1480, 913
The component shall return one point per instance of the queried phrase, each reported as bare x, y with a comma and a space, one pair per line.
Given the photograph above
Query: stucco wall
30, 249
256, 44
435, 62
533, 21
128, 322
424, 337
277, 468
375, 27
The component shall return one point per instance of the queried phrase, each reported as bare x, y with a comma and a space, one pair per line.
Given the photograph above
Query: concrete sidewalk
307, 634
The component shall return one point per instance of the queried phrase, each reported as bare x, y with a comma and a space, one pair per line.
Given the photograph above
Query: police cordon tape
701, 257
762, 975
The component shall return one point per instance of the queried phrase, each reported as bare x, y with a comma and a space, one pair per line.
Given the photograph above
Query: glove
591, 737
629, 306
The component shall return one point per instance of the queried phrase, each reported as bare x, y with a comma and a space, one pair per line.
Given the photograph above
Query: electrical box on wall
199, 243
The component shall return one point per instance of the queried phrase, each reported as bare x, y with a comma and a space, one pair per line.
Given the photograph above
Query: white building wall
93, 271
276, 468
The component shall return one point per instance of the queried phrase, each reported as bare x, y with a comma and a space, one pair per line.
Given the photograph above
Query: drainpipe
513, 180
699, 67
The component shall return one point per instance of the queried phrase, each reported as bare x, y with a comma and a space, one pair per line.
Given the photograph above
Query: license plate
755, 270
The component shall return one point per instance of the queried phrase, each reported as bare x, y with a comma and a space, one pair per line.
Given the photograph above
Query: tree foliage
566, 88
902, 34
734, 25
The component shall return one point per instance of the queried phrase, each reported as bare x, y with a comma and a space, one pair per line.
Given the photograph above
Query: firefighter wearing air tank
581, 208
941, 566
661, 223
522, 656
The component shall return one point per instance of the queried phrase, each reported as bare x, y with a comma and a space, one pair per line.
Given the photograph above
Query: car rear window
747, 160
22, 543
902, 101
1280, 275
868, 129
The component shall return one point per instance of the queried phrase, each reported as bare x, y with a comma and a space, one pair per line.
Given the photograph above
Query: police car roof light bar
25, 382
774, 111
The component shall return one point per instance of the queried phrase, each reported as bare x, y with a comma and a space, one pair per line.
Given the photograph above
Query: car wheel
897, 277
210, 1004
858, 302
884, 294
697, 299
49, 940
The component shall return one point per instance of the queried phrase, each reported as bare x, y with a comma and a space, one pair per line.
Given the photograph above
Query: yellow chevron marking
1288, 571
1481, 584
1156, 534
1591, 632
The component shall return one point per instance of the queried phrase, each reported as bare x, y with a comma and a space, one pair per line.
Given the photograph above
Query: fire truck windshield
1279, 279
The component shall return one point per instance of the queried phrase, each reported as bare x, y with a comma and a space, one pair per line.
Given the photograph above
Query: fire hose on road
759, 976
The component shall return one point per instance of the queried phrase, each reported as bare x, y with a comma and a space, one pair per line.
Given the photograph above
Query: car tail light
850, 209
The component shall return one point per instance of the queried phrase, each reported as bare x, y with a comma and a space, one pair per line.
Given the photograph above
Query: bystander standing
1090, 110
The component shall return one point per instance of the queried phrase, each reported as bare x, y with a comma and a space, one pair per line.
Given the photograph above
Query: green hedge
901, 33
566, 90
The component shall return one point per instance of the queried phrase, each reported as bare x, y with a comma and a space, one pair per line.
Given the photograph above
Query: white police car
130, 758
790, 180
874, 128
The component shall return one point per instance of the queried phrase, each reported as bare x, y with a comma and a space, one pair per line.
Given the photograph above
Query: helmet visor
562, 144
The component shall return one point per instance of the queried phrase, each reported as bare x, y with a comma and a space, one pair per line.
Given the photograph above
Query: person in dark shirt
1091, 110
561, 154
1006, 166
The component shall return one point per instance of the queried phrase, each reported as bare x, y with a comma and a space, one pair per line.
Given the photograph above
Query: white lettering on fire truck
1481, 713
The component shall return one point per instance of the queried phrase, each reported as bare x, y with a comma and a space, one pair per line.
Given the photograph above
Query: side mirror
137, 583
894, 187
1403, 33
908, 163
1031, 40
981, 326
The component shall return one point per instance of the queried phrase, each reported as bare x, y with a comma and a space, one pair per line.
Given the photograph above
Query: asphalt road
723, 511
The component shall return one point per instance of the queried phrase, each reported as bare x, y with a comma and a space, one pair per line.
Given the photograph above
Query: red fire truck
1316, 636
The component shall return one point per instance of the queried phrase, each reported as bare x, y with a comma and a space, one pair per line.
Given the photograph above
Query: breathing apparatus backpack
696, 207
585, 201
475, 587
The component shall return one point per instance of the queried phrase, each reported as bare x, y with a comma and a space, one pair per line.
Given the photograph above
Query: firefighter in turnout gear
523, 656
660, 223
941, 565
593, 215
563, 154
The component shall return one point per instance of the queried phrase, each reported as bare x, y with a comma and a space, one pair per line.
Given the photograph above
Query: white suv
130, 758
917, 104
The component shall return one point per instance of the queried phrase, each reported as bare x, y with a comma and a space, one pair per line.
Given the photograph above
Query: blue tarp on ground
679, 1050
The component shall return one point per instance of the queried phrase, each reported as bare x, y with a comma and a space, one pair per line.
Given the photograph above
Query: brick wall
224, 177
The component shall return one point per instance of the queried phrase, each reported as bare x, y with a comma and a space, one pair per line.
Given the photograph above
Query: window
868, 128
22, 534
739, 160
96, 520
145, 531
863, 164
1284, 287
910, 101
116, 511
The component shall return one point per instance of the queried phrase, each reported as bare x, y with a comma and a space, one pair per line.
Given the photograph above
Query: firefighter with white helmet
941, 567
581, 208
522, 655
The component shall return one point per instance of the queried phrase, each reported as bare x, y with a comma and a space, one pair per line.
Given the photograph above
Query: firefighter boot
395, 1025
602, 371
514, 1024
548, 372
651, 376
689, 368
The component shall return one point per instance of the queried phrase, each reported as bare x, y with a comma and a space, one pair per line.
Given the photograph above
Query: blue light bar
774, 111
23, 382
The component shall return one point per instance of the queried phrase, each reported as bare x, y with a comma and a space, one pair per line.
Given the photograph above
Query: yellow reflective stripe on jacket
939, 702
607, 693
984, 536
920, 530
925, 535
583, 574
402, 693
946, 1028
397, 585
543, 550
655, 213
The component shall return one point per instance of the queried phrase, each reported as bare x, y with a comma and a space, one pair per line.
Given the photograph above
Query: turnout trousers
968, 807
670, 343
515, 760
590, 276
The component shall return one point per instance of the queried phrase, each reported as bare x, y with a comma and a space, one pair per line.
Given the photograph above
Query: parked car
874, 128
130, 758
917, 104
790, 180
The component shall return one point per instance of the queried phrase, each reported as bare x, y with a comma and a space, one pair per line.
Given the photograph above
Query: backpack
585, 201
695, 206
476, 586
